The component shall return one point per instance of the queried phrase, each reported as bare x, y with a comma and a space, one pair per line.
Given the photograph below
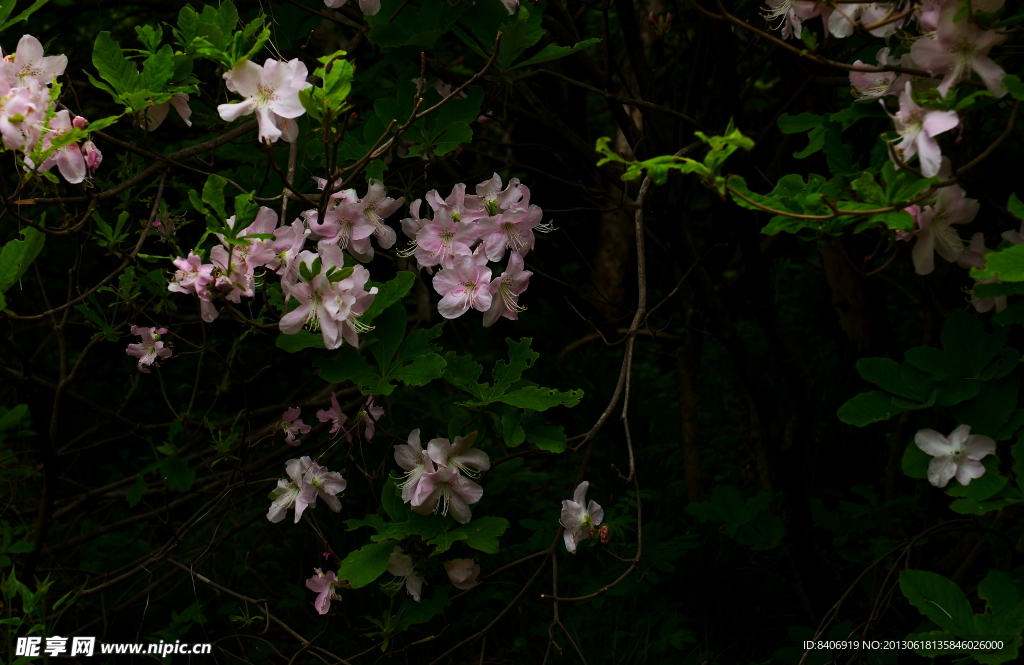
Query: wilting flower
325, 586
291, 425
580, 521
463, 573
956, 455
369, 415
150, 349
401, 565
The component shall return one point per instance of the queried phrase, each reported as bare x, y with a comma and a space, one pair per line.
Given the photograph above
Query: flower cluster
150, 348
29, 121
434, 477
464, 233
579, 521
307, 481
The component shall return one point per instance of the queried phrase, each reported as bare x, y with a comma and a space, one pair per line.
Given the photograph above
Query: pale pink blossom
872, 85
464, 286
792, 14
271, 91
918, 127
401, 565
291, 425
505, 291
447, 488
580, 522
323, 304
325, 585
935, 228
956, 455
491, 199
511, 229
368, 417
368, 7
333, 414
320, 483
442, 239
68, 159
460, 455
288, 493
411, 457
956, 48
463, 573
150, 349
28, 62
155, 114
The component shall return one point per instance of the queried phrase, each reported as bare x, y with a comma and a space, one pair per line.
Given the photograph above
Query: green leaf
213, 195
366, 564
915, 462
1015, 207
554, 52
940, 600
482, 533
17, 255
548, 438
113, 67
150, 37
519, 36
421, 371
512, 431
5, 11
1014, 86
802, 122
157, 70
985, 487
348, 366
905, 381
541, 399
1004, 264
991, 409
385, 339
300, 340
391, 501
463, 372
870, 407
388, 293
413, 613
179, 477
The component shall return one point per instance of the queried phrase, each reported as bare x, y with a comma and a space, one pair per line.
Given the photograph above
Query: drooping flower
957, 48
579, 521
462, 287
411, 457
505, 291
155, 114
323, 484
401, 565
936, 233
333, 414
291, 425
288, 493
792, 14
461, 455
150, 349
325, 585
918, 128
271, 91
447, 488
462, 573
956, 455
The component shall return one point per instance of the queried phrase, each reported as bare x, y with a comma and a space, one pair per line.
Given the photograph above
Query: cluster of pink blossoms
291, 425
307, 481
434, 477
28, 119
467, 231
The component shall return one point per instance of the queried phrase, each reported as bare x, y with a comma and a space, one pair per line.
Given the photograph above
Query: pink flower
272, 91
22, 111
957, 48
323, 484
377, 207
463, 573
323, 304
287, 244
956, 455
401, 565
69, 159
505, 291
369, 415
792, 12
841, 21
411, 457
155, 114
918, 128
491, 199
442, 239
368, 7
512, 229
447, 488
463, 286
288, 493
871, 85
150, 349
935, 228
334, 414
579, 522
325, 586
291, 425
461, 456
93, 156
344, 225
29, 63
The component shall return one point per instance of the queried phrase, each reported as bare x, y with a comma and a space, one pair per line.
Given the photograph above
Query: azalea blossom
29, 63
956, 455
872, 85
792, 14
464, 286
918, 128
579, 521
291, 425
318, 482
505, 291
491, 199
368, 416
333, 414
288, 493
68, 159
843, 18
956, 48
461, 455
271, 91
156, 113
442, 239
447, 488
512, 229
401, 565
935, 227
150, 349
368, 7
325, 585
463, 573
411, 457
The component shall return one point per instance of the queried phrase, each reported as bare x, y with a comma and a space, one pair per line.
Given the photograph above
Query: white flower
579, 522
956, 455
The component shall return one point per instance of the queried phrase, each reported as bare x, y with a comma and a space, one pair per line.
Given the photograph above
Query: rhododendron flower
291, 425
93, 156
442, 239
447, 488
411, 457
368, 416
792, 12
288, 493
323, 484
580, 522
956, 455
378, 206
68, 159
156, 113
935, 228
401, 565
287, 244
463, 286
491, 199
461, 455
841, 21
272, 91
368, 7
512, 229
343, 225
150, 349
28, 62
871, 85
22, 111
333, 414
918, 128
457, 205
956, 48
462, 573
325, 586
505, 291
